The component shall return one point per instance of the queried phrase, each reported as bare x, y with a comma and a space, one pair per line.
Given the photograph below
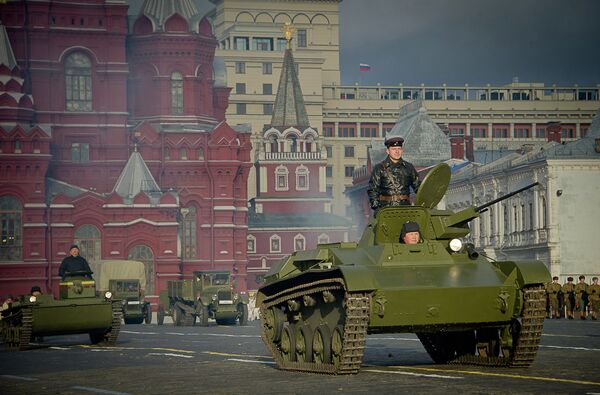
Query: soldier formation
573, 300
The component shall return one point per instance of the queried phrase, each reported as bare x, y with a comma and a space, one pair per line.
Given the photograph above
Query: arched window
250, 243
167, 153
275, 244
281, 178
144, 254
543, 214
88, 238
293, 142
11, 244
323, 238
78, 82
183, 153
200, 153
188, 232
176, 93
274, 143
299, 243
302, 178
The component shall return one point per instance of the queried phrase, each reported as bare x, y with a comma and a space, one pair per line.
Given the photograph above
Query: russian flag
364, 67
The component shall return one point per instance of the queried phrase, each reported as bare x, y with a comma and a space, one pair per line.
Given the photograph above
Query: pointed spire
7, 57
135, 178
289, 109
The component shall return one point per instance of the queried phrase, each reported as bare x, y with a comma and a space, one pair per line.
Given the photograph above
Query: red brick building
113, 136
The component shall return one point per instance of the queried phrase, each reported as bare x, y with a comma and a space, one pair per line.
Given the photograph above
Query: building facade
113, 136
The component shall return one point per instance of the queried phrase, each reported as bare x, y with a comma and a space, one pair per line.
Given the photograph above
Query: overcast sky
470, 41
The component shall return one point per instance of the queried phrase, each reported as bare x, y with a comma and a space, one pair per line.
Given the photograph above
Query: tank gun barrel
481, 208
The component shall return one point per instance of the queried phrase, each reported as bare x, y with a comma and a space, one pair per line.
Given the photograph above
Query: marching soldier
568, 289
580, 296
552, 290
594, 297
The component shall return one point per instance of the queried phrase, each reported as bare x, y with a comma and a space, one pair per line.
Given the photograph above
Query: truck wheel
176, 316
202, 312
148, 317
243, 314
160, 315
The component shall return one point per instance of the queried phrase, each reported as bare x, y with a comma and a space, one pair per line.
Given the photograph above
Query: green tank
77, 310
318, 306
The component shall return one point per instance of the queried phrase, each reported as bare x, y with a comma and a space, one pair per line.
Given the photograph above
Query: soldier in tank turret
581, 297
552, 290
410, 233
74, 263
391, 180
568, 289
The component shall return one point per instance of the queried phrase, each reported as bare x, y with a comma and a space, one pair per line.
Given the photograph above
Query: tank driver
594, 297
74, 263
552, 290
392, 179
410, 233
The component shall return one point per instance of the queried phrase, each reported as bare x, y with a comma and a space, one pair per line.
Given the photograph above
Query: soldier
580, 296
568, 289
392, 179
552, 290
594, 297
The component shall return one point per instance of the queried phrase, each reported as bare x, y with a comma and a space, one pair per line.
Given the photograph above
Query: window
240, 68
329, 190
250, 243
281, 178
540, 132
188, 232
366, 131
200, 153
11, 244
456, 131
267, 68
301, 38
329, 150
328, 131
267, 89
302, 178
567, 133
78, 82
521, 132
478, 132
167, 153
176, 93
299, 243
275, 243
17, 147
183, 154
80, 152
501, 132
262, 44
328, 171
281, 44
241, 43
268, 108
240, 88
293, 142
349, 152
348, 170
144, 254
240, 108
323, 239
88, 238
345, 131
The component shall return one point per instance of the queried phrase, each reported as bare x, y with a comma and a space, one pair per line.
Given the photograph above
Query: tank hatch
434, 186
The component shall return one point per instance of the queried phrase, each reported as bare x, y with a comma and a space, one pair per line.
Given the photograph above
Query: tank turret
318, 306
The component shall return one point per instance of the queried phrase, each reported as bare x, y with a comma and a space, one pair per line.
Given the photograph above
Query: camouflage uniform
569, 296
552, 290
594, 297
580, 297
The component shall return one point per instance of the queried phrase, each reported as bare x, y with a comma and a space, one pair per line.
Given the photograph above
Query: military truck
209, 294
126, 280
317, 306
77, 310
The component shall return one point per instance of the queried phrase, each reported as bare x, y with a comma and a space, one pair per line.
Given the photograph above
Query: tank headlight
108, 295
214, 297
32, 299
455, 245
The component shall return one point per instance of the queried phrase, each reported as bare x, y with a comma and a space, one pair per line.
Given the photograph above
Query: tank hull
63, 317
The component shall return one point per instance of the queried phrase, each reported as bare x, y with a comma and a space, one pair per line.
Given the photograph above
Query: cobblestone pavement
151, 359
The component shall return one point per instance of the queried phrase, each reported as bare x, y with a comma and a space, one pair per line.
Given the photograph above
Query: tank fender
357, 278
528, 272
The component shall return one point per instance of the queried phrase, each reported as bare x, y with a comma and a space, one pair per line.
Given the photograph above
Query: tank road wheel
148, 316
176, 316
272, 321
303, 344
160, 315
243, 314
321, 345
202, 312
288, 344
488, 342
337, 342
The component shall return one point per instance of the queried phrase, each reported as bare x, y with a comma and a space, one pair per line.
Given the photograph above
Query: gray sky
470, 41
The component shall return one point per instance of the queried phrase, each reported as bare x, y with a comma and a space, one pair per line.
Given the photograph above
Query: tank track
21, 326
113, 332
357, 310
525, 343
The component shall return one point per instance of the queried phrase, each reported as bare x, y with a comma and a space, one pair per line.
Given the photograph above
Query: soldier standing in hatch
392, 179
74, 263
594, 297
568, 289
581, 296
552, 290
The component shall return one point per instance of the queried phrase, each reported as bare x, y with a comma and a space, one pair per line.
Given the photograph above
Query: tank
77, 310
318, 306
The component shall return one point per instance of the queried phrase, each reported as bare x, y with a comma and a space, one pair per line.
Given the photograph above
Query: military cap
35, 288
407, 227
594, 278
394, 141
555, 278
582, 277
569, 278
74, 246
